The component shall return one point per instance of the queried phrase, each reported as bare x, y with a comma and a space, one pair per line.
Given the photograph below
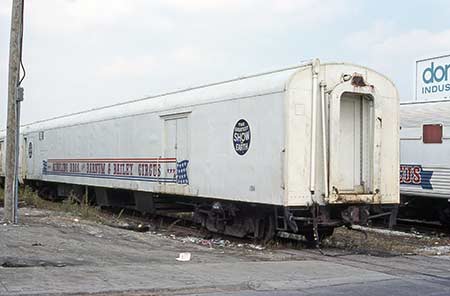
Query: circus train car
300, 149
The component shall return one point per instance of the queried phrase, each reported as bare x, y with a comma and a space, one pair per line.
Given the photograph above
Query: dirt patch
388, 243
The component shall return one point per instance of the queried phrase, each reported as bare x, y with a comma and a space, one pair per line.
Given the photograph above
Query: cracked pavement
51, 253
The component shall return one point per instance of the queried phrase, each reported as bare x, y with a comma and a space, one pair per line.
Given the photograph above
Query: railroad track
417, 226
421, 226
181, 225
176, 224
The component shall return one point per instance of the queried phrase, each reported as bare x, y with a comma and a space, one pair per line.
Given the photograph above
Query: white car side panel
184, 142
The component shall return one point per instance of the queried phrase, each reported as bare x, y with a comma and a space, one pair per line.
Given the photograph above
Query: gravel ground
385, 242
373, 241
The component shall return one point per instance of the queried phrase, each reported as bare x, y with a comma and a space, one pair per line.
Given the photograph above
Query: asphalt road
52, 254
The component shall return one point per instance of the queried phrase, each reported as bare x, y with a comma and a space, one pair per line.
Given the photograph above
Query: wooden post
11, 126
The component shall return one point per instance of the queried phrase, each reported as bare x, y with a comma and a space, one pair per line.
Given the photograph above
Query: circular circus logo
241, 137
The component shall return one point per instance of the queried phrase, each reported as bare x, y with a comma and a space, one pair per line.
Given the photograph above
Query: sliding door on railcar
176, 149
354, 144
353, 152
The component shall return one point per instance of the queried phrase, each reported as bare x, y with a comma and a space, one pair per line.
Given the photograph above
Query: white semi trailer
425, 159
297, 149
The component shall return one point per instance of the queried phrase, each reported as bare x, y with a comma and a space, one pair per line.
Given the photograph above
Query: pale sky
81, 54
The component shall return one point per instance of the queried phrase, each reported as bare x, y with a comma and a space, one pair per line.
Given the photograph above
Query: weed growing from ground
71, 205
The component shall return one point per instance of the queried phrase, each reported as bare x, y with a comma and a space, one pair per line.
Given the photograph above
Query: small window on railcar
432, 133
41, 136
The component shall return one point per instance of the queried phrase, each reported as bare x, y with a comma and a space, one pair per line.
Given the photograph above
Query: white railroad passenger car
425, 158
310, 145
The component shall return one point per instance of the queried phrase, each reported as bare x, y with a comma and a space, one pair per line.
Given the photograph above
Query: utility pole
12, 130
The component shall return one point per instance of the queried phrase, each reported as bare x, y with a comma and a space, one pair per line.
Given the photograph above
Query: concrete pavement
66, 256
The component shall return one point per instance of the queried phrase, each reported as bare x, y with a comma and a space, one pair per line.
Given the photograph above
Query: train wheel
324, 232
269, 229
444, 216
48, 193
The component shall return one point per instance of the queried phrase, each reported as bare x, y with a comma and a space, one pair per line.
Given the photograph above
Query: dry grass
69, 206
29, 198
